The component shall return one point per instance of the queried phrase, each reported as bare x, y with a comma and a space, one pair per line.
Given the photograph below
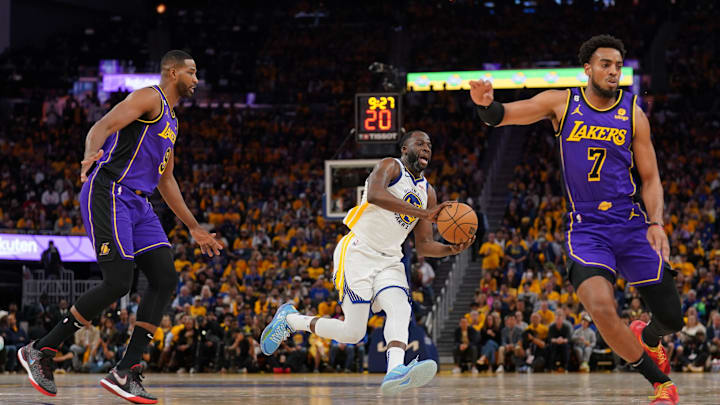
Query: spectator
87, 341
509, 342
584, 340
51, 260
489, 342
14, 337
466, 351
559, 334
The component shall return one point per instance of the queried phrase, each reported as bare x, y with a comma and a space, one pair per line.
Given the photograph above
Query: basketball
457, 223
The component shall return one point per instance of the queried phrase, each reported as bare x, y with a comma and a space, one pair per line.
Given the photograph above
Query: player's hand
87, 162
658, 240
481, 92
455, 249
432, 213
207, 242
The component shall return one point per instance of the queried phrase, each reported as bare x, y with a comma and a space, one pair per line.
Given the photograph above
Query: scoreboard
377, 117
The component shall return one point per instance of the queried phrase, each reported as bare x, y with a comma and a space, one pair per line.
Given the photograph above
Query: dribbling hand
207, 242
481, 92
87, 162
432, 214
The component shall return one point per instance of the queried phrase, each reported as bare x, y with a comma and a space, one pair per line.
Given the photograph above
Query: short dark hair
174, 58
599, 41
408, 135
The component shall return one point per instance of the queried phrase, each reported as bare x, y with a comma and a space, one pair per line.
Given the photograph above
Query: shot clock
377, 117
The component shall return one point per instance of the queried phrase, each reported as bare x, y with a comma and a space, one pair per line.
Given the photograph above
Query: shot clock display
377, 117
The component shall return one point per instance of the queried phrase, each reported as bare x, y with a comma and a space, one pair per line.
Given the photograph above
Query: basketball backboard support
344, 185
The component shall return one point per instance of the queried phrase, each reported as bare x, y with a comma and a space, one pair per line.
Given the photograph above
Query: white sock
299, 322
395, 357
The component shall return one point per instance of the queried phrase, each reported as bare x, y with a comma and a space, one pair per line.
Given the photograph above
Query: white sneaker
474, 371
500, 369
456, 370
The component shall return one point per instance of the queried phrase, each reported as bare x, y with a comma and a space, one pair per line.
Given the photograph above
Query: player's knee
602, 312
168, 282
355, 334
117, 288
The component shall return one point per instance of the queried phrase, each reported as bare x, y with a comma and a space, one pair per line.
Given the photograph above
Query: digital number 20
598, 156
378, 119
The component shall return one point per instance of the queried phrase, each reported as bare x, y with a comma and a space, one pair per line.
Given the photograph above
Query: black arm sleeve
492, 114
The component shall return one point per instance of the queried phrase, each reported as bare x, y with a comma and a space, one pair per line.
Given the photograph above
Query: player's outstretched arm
424, 242
523, 112
652, 192
384, 172
137, 104
170, 191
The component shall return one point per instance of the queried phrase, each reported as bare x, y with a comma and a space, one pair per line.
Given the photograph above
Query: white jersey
383, 230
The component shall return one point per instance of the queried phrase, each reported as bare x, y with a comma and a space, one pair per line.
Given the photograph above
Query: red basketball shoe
665, 394
656, 353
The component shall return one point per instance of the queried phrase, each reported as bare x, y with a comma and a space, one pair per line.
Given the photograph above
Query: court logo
621, 115
104, 249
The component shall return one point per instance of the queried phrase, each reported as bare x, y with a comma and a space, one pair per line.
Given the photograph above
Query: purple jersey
137, 155
595, 148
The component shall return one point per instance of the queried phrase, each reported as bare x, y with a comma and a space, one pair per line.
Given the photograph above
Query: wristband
656, 223
492, 114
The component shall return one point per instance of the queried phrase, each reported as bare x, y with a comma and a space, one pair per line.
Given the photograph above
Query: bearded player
128, 153
369, 274
603, 134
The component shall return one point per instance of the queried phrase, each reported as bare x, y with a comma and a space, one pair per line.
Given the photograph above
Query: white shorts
360, 272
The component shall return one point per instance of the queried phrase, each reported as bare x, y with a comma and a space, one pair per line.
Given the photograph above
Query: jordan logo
122, 380
576, 111
633, 214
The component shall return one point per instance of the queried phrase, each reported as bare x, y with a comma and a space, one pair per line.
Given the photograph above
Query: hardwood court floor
355, 389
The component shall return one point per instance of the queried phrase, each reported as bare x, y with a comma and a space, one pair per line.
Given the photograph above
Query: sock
63, 330
650, 336
649, 370
299, 322
395, 357
138, 342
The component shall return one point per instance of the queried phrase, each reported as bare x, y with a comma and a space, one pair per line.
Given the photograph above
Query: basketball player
603, 133
128, 153
368, 271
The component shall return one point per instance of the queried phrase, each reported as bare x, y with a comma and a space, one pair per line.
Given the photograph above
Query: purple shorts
118, 221
612, 236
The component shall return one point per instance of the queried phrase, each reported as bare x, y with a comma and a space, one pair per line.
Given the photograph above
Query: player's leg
157, 265
595, 289
663, 300
394, 301
350, 330
154, 258
392, 296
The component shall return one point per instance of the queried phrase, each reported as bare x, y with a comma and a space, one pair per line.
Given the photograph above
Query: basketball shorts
360, 272
118, 221
612, 237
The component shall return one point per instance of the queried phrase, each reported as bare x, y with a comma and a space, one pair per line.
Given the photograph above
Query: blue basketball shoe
416, 374
277, 330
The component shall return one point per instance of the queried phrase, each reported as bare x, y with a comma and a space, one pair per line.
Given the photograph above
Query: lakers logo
104, 249
166, 159
168, 133
414, 200
583, 131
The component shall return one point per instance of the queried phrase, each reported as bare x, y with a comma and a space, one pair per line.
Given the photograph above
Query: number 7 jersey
596, 148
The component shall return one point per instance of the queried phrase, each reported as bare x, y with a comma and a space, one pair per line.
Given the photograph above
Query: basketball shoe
416, 374
277, 330
127, 384
665, 394
656, 353
39, 366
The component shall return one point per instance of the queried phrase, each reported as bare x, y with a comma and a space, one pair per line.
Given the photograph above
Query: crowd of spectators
255, 176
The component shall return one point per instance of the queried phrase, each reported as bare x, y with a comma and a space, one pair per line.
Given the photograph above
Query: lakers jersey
137, 155
384, 230
596, 149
